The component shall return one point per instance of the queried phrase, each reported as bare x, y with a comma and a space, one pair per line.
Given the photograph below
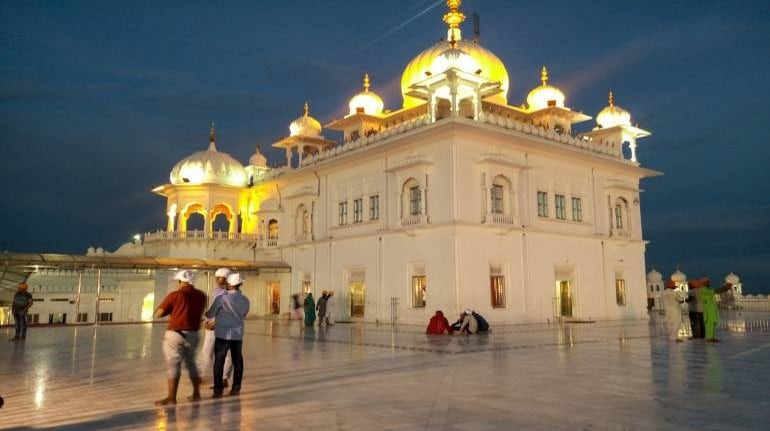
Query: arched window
411, 198
272, 229
621, 214
499, 196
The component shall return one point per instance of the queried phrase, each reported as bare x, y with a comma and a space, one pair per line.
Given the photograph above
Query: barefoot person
672, 306
185, 306
229, 310
207, 353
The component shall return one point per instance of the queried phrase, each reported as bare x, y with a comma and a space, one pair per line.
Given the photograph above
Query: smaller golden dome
612, 115
366, 102
305, 125
544, 96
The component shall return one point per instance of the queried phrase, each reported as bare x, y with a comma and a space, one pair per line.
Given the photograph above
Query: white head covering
235, 279
185, 275
222, 273
468, 311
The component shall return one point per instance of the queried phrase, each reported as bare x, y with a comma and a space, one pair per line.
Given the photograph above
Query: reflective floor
610, 375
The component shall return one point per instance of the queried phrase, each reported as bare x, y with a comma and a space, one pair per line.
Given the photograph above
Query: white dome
257, 159
612, 115
305, 125
678, 277
545, 95
209, 167
654, 276
732, 278
367, 101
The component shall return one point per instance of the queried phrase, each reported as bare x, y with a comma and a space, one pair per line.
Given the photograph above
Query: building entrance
274, 298
357, 297
564, 298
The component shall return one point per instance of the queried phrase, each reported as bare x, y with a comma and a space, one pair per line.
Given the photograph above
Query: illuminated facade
456, 200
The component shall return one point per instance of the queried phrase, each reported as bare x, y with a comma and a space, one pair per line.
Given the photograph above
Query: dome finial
611, 99
544, 76
212, 137
366, 82
454, 18
306, 109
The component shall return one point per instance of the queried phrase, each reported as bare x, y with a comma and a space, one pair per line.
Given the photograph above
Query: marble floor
587, 376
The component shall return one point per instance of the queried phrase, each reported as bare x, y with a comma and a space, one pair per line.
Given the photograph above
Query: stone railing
413, 221
199, 235
499, 219
563, 138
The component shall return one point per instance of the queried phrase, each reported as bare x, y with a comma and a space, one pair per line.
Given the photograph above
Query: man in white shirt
207, 354
229, 310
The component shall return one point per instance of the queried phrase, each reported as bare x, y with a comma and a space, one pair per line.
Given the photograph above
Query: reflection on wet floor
350, 375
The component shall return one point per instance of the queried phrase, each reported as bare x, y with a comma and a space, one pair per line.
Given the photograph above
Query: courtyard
355, 376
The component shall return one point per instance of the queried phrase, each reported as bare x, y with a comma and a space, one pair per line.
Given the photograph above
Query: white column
632, 145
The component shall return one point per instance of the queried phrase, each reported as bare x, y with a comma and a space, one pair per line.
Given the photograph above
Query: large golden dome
491, 67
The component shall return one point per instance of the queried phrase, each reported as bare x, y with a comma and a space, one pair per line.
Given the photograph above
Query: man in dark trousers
22, 301
185, 306
228, 311
320, 307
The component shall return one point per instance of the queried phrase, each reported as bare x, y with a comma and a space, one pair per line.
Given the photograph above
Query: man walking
229, 310
207, 353
672, 301
695, 306
320, 307
185, 306
329, 315
22, 301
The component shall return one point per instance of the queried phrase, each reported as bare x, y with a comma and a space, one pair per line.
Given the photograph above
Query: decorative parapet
586, 143
411, 222
198, 235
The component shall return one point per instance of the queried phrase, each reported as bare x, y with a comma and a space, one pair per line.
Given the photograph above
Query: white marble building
458, 199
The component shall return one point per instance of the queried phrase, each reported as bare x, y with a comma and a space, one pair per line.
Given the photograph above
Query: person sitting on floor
482, 322
438, 324
469, 323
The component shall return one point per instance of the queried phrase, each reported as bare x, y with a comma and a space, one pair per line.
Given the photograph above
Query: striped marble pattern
607, 375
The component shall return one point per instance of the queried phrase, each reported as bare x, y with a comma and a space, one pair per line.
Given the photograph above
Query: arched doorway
148, 307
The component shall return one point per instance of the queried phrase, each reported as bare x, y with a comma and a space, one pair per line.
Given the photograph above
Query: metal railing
498, 218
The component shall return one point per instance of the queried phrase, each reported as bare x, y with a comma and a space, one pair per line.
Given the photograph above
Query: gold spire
611, 99
366, 82
544, 76
454, 18
306, 109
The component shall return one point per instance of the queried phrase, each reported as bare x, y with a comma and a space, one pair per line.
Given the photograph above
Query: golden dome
545, 95
490, 66
209, 167
366, 102
612, 115
305, 125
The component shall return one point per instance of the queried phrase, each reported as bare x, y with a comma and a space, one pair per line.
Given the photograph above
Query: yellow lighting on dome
193, 174
612, 115
305, 125
366, 102
544, 96
489, 65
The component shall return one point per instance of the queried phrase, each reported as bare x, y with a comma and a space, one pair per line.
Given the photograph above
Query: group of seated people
470, 322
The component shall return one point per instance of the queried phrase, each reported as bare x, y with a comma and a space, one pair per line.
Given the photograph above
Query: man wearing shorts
185, 307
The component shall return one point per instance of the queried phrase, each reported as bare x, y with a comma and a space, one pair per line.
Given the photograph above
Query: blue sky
99, 99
